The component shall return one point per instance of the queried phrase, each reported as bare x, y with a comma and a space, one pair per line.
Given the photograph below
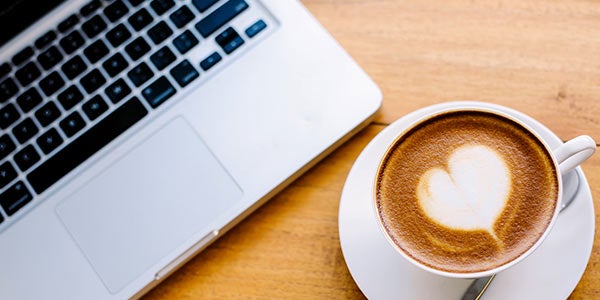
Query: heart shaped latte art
471, 194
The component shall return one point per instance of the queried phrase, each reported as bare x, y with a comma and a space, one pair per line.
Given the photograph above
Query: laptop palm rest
117, 218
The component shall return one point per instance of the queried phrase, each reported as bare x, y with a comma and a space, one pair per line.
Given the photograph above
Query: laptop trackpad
148, 203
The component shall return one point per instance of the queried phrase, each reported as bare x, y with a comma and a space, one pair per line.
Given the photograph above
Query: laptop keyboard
82, 84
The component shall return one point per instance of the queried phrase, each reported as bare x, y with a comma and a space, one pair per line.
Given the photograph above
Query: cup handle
574, 152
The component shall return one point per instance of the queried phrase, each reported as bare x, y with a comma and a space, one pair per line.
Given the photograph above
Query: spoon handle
477, 288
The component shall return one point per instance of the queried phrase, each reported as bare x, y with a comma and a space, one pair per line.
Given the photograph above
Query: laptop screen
16, 15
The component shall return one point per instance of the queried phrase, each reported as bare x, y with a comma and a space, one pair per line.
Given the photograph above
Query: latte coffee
466, 191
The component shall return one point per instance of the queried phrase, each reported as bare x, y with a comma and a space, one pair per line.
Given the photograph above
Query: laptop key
92, 81
220, 17
203, 5
116, 10
5, 69
229, 40
22, 56
27, 74
182, 16
86, 145
160, 32
72, 124
51, 83
47, 113
137, 48
158, 92
49, 141
68, 23
70, 97
8, 88
184, 73
118, 35
72, 42
210, 61
89, 8
140, 19
74, 67
93, 26
185, 41
8, 115
25, 130
115, 64
6, 146
140, 74
7, 174
95, 107
26, 158
14, 198
96, 51
161, 6
117, 91
29, 99
162, 58
255, 28
49, 58
45, 39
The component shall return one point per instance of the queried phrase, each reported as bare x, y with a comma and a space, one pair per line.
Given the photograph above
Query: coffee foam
471, 193
426, 163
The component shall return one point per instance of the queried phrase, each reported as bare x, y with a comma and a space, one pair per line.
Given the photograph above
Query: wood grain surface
539, 57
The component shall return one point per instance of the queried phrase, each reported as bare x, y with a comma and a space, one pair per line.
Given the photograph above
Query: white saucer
551, 272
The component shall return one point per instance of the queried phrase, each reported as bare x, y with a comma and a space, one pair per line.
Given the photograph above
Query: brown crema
528, 212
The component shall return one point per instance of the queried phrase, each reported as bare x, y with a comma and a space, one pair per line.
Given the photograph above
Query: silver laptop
134, 133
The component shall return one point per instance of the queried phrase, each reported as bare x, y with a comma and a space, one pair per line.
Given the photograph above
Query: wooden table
541, 57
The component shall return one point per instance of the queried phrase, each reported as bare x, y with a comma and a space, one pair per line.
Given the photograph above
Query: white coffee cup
565, 158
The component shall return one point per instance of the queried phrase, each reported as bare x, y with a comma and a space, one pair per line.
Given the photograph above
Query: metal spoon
571, 184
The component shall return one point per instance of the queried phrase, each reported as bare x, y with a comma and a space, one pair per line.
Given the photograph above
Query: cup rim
466, 108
